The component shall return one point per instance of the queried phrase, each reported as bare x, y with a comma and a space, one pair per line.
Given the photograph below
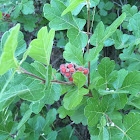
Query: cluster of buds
69, 69
7, 15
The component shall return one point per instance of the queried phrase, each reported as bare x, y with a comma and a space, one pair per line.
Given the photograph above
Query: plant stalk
88, 34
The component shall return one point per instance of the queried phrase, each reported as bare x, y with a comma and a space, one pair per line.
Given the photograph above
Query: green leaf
52, 135
52, 94
5, 80
98, 34
27, 7
72, 6
21, 45
120, 100
130, 128
42, 46
79, 79
135, 101
36, 107
64, 112
77, 95
130, 11
96, 108
131, 82
28, 21
134, 23
106, 67
51, 117
7, 59
1, 15
17, 10
66, 134
77, 38
121, 76
48, 75
78, 115
73, 54
53, 14
25, 118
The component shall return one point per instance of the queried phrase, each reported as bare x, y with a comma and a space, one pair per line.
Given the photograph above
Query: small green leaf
77, 38
77, 95
28, 8
72, 6
106, 67
42, 46
79, 79
7, 59
64, 112
130, 11
131, 82
53, 14
96, 108
134, 23
25, 118
73, 54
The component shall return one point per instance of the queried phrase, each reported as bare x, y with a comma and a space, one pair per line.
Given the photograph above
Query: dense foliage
92, 92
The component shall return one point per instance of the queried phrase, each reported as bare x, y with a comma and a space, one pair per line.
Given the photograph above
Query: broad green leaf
25, 118
7, 59
73, 54
120, 100
134, 24
52, 135
4, 134
130, 11
135, 101
66, 134
106, 67
79, 79
27, 8
101, 35
108, 5
27, 89
131, 82
34, 68
130, 126
96, 108
0, 15
121, 76
112, 28
21, 45
52, 94
51, 117
77, 38
53, 14
28, 21
64, 112
42, 46
78, 115
74, 97
98, 34
103, 134
40, 68
5, 81
17, 10
133, 59
23, 108
36, 107
72, 6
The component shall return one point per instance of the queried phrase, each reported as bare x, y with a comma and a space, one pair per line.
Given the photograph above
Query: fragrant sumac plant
77, 77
